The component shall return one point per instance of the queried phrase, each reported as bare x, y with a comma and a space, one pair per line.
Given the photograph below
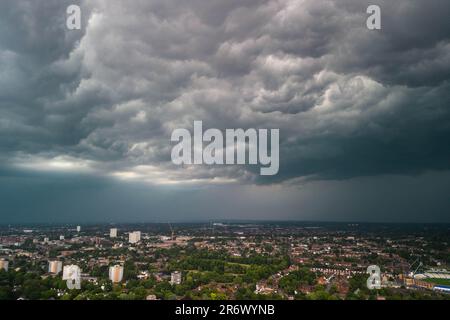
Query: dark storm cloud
73, 198
32, 38
348, 101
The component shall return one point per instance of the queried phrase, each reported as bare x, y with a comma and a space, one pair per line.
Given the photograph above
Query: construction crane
171, 230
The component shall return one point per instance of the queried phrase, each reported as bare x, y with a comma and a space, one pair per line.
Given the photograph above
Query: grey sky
86, 116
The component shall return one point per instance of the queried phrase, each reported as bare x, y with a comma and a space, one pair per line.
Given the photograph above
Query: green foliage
293, 280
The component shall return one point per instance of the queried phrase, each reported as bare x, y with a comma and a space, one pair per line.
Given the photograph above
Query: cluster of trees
295, 279
29, 285
221, 267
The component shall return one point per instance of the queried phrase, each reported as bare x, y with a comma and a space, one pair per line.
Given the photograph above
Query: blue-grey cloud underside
358, 110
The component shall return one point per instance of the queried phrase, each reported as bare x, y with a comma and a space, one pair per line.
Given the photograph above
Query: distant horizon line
209, 221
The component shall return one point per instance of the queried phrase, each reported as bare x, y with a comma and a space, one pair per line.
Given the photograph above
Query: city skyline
226, 261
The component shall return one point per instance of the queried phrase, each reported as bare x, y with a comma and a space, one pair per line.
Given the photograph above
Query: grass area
239, 264
445, 282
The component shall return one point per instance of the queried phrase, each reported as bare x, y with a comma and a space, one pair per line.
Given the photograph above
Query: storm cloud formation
350, 103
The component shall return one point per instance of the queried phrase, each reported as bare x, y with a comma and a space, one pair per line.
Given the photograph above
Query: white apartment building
134, 237
113, 233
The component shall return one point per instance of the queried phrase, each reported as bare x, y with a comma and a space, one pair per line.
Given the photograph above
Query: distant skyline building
4, 264
175, 278
54, 267
61, 237
113, 233
116, 273
134, 237
46, 240
78, 228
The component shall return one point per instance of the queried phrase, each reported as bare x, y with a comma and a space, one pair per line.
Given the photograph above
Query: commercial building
411, 282
442, 288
